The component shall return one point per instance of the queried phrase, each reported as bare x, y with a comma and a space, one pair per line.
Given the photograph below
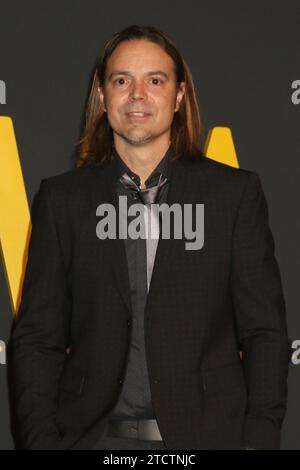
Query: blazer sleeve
260, 314
39, 337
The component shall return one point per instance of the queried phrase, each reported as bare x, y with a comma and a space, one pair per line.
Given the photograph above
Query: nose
137, 91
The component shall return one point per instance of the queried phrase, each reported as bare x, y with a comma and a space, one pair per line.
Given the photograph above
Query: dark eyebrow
126, 72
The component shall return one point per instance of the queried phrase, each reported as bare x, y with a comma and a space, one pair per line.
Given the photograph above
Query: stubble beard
135, 137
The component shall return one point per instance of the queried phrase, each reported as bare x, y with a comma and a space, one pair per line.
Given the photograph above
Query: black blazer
68, 348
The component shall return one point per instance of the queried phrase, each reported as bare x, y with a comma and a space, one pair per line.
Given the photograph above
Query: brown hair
96, 143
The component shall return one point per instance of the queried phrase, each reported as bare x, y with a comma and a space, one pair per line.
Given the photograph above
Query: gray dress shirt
134, 401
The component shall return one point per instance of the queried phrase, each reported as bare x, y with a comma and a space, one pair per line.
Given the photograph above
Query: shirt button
120, 381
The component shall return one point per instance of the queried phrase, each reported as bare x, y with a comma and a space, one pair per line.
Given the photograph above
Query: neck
142, 160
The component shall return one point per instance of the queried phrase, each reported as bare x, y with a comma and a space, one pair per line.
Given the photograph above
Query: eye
157, 79
118, 80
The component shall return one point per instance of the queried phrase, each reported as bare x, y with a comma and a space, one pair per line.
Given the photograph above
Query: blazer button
120, 381
128, 323
155, 381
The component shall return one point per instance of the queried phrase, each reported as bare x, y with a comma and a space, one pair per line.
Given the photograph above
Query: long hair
96, 142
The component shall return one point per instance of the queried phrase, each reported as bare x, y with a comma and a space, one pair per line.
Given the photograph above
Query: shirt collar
162, 167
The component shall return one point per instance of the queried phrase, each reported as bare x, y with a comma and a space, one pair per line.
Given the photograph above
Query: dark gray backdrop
244, 57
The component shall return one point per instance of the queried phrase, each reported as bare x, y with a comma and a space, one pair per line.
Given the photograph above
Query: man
136, 343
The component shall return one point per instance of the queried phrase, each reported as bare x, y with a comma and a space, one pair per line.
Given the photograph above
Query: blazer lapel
187, 186
176, 194
114, 249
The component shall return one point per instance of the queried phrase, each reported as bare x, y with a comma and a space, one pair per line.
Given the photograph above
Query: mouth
137, 115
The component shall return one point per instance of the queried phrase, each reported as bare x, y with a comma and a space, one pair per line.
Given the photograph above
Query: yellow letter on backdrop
219, 146
15, 226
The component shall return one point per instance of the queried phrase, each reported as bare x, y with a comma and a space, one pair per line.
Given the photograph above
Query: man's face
140, 77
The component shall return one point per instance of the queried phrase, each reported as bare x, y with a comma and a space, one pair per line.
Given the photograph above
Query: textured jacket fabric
68, 349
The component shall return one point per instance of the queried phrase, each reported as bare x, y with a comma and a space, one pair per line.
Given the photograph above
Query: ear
101, 97
180, 94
